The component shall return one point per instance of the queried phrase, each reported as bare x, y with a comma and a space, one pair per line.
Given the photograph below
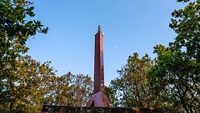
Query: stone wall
70, 109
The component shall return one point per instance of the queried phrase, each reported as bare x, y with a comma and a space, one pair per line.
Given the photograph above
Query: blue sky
129, 26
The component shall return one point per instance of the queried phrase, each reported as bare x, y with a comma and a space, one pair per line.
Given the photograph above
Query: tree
185, 23
81, 90
19, 74
32, 82
166, 79
111, 94
71, 90
175, 77
132, 88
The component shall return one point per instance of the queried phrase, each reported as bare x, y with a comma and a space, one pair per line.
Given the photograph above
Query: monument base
98, 99
70, 109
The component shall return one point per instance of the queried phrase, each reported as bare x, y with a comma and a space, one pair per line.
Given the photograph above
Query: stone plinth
70, 109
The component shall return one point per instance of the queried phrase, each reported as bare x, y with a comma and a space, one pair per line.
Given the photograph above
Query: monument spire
98, 62
98, 99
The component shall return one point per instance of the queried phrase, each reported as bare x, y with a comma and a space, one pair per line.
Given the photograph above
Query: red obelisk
98, 62
98, 99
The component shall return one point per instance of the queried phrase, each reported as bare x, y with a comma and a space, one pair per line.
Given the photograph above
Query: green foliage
183, 0
22, 79
132, 88
110, 93
30, 84
71, 90
186, 24
175, 78
82, 86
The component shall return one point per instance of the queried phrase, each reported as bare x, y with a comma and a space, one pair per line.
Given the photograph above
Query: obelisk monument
98, 99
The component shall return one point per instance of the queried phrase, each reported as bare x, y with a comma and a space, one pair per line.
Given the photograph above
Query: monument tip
99, 28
